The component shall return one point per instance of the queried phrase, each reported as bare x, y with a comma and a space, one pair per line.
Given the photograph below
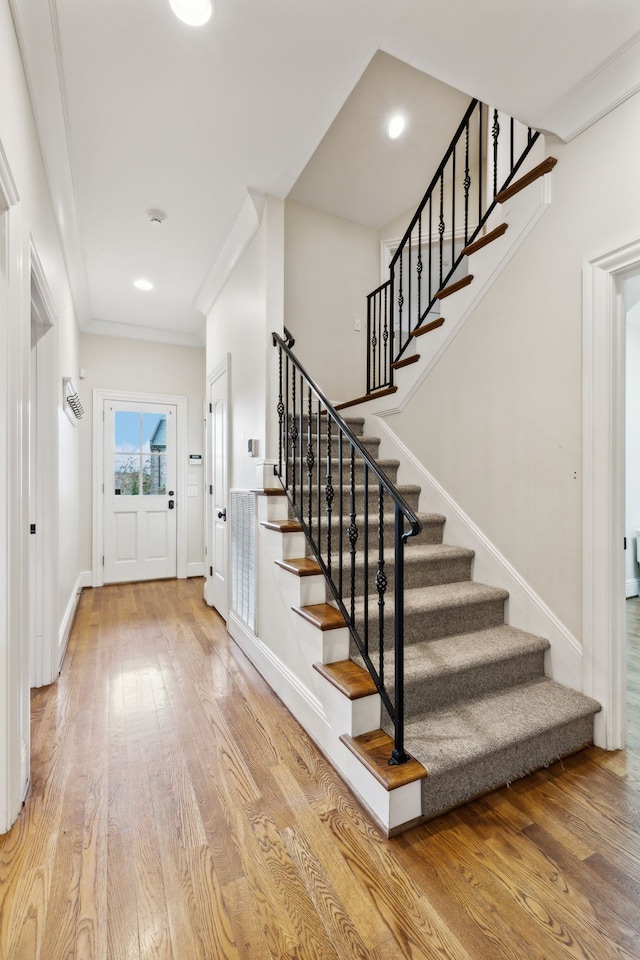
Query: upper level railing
486, 152
355, 521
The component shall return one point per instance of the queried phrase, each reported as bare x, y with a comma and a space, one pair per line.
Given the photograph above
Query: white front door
140, 502
217, 586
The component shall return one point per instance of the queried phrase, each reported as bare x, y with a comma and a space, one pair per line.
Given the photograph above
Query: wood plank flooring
177, 811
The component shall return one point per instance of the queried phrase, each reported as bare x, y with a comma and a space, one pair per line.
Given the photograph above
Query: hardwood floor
177, 810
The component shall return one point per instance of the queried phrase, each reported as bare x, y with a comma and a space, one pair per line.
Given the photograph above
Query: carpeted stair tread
426, 564
446, 596
474, 730
450, 655
468, 665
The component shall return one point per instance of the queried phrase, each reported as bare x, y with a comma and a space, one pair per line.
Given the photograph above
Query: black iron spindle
381, 581
495, 134
467, 183
352, 531
310, 459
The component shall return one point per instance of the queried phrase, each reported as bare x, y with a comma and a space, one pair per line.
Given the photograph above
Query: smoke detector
156, 217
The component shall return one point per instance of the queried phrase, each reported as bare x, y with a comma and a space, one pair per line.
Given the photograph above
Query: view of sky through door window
140, 453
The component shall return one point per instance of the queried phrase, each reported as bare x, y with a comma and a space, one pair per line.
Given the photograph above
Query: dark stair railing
480, 162
329, 475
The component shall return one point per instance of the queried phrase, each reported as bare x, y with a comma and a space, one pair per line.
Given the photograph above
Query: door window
139, 453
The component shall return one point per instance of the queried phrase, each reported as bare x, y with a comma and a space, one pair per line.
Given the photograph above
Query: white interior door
217, 588
140, 494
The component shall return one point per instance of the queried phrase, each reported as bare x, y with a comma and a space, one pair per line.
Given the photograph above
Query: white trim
240, 236
86, 579
603, 412
100, 395
222, 369
195, 569
68, 617
14, 514
612, 82
43, 312
524, 609
9, 195
632, 588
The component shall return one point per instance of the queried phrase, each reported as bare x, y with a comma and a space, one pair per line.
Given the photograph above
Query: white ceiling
136, 110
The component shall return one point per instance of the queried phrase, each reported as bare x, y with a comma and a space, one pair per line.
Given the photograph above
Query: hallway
176, 810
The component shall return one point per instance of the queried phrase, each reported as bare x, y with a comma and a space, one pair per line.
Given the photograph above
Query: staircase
479, 710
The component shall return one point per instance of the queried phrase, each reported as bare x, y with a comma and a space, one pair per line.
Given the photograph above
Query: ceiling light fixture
395, 126
193, 12
143, 284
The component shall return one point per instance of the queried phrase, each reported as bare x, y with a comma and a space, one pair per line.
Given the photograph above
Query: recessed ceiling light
194, 12
395, 126
143, 284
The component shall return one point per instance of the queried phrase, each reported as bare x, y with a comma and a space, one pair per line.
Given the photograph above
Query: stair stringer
524, 609
522, 212
284, 650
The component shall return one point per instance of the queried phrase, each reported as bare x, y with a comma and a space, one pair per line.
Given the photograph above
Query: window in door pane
127, 474
154, 474
126, 432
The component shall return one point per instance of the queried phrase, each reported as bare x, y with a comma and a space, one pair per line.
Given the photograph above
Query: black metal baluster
287, 423
280, 413
352, 532
398, 754
293, 433
453, 209
482, 163
400, 298
301, 443
381, 581
385, 338
430, 251
511, 143
328, 493
310, 458
319, 472
340, 514
419, 271
374, 342
441, 227
369, 384
495, 134
467, 183
405, 335
365, 519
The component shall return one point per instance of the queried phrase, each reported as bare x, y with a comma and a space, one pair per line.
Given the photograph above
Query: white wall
498, 421
34, 219
111, 363
632, 464
240, 323
330, 267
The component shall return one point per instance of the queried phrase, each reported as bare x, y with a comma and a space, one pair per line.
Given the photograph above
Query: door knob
222, 514
171, 504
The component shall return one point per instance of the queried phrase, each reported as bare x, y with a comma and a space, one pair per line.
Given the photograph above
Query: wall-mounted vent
243, 556
71, 401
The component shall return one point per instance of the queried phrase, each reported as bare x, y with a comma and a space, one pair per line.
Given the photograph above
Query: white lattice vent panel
243, 556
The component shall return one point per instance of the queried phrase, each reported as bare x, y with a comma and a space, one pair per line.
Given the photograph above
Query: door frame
182, 466
15, 337
45, 654
603, 459
223, 368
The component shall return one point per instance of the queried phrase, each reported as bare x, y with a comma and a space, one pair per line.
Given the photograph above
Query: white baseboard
195, 569
632, 588
86, 579
69, 616
524, 608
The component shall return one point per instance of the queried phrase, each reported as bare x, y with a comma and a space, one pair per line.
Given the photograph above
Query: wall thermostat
195, 459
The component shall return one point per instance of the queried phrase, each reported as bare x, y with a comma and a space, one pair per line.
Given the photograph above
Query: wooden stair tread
373, 749
545, 167
282, 526
322, 615
348, 677
486, 239
405, 361
270, 492
368, 396
301, 567
426, 327
454, 287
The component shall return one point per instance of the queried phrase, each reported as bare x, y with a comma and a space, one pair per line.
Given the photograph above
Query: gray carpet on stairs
480, 711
